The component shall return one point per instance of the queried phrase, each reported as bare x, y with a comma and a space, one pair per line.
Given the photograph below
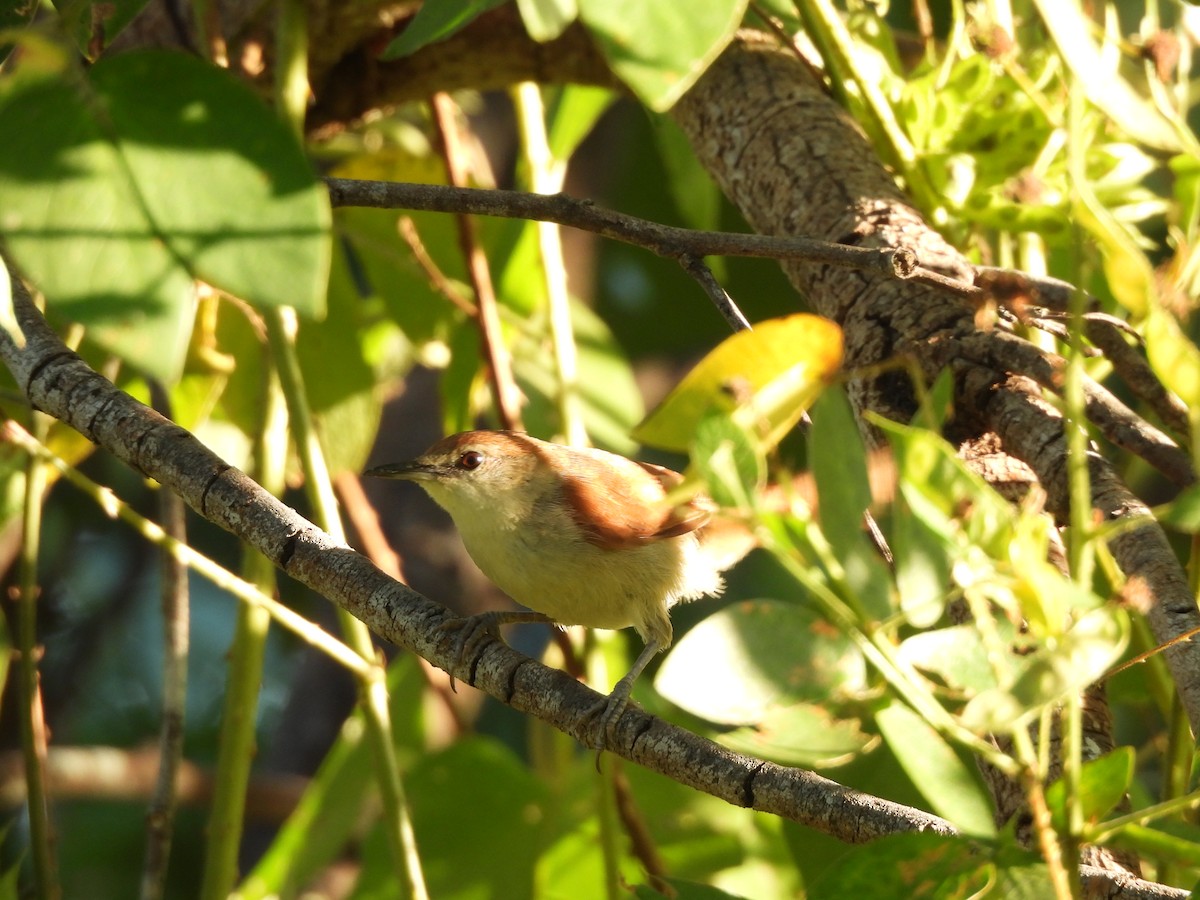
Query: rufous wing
627, 507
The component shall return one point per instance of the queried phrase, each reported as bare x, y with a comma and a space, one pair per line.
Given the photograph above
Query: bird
579, 536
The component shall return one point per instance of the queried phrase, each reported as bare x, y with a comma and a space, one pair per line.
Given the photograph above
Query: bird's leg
474, 630
607, 712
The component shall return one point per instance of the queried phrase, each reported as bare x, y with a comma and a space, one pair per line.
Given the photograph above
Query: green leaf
547, 19
745, 660
158, 171
660, 49
729, 462
951, 787
769, 376
1100, 81
492, 851
839, 467
1076, 659
435, 21
573, 115
1173, 356
956, 654
804, 734
1183, 513
609, 400
331, 808
1103, 783
911, 866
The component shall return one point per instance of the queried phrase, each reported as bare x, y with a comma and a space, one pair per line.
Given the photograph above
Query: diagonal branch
59, 382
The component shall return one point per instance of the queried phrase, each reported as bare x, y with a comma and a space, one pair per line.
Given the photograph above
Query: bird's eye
472, 459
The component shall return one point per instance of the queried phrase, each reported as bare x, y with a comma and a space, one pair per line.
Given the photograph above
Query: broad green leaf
951, 787
547, 19
574, 865
956, 655
839, 467
758, 655
730, 463
394, 276
769, 376
1151, 843
924, 560
1103, 85
435, 21
685, 890
914, 866
331, 808
1183, 513
803, 734
119, 192
573, 115
951, 500
1075, 660
1173, 356
1103, 783
660, 49
339, 383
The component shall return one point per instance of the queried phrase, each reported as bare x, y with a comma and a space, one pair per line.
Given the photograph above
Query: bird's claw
604, 717
471, 631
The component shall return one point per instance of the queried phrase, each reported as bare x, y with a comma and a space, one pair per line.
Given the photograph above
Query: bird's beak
413, 470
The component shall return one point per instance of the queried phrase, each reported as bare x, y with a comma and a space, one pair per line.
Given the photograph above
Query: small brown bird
580, 536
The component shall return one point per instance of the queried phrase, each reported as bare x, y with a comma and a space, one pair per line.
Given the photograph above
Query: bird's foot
471, 632
606, 714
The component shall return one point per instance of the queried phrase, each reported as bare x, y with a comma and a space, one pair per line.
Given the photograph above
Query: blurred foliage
159, 207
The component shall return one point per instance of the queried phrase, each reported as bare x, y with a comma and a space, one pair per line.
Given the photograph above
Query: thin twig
663, 240
698, 269
437, 278
504, 387
641, 841
160, 817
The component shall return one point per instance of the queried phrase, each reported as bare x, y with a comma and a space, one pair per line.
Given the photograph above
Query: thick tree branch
794, 163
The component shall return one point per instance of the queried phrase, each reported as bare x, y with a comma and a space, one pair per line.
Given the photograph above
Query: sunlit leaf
1103, 783
660, 49
1072, 33
1077, 659
755, 656
803, 734
547, 19
952, 788
839, 467
121, 190
1173, 356
769, 375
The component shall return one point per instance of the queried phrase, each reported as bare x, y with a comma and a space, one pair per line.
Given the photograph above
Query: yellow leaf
764, 378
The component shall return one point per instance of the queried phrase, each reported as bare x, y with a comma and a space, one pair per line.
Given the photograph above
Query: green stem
33, 727
197, 562
237, 742
319, 488
546, 176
